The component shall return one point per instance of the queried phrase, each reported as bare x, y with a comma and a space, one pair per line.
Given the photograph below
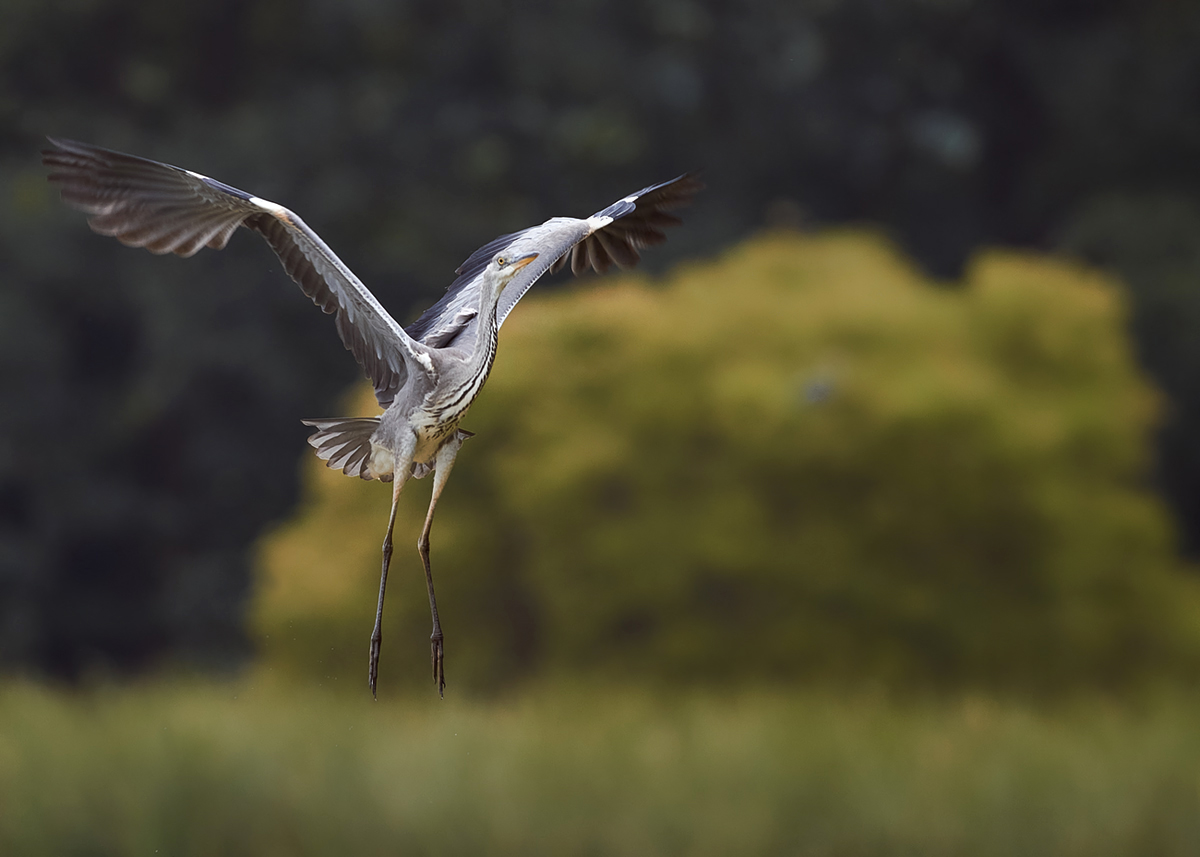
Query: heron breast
431, 434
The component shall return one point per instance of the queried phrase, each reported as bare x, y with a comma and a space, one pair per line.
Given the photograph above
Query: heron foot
373, 670
436, 655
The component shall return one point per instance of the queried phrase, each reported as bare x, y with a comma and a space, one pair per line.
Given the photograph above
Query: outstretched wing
166, 209
613, 235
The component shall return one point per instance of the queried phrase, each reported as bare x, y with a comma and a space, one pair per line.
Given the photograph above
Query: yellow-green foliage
229, 771
801, 460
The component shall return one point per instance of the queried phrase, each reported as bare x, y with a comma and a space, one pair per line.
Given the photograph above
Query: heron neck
485, 343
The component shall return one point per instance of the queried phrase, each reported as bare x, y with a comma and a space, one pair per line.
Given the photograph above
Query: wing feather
166, 209
613, 235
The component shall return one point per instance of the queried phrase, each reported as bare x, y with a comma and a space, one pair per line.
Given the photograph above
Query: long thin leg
403, 466
443, 461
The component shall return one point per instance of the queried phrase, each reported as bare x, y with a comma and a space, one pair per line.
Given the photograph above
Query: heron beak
523, 261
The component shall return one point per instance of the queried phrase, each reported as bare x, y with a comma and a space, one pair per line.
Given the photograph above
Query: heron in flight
425, 376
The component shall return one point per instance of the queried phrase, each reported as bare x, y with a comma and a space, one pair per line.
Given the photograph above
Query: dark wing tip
145, 203
69, 152
677, 192
638, 221
62, 144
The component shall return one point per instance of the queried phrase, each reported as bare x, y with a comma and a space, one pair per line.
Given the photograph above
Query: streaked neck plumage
484, 352
453, 402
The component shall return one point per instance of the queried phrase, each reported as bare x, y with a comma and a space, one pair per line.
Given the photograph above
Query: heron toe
373, 669
437, 655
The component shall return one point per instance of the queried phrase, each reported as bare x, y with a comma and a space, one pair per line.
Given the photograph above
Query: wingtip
64, 144
689, 182
57, 146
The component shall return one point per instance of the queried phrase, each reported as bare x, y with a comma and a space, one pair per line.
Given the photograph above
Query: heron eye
501, 261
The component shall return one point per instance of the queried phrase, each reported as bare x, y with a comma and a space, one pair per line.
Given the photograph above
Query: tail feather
344, 443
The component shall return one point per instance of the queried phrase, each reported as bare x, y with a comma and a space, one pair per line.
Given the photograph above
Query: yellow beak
523, 261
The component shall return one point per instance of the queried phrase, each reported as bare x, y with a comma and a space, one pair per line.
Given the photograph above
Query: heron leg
443, 461
400, 473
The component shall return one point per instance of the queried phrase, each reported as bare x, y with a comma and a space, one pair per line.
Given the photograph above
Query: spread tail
345, 443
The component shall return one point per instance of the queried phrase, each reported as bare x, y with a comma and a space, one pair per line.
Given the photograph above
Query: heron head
507, 266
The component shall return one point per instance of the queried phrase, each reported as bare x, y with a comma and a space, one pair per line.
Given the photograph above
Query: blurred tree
798, 461
410, 133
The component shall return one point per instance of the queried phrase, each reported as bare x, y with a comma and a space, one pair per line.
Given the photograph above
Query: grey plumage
166, 209
613, 235
425, 377
345, 443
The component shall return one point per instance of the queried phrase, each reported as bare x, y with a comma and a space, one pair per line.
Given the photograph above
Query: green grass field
230, 769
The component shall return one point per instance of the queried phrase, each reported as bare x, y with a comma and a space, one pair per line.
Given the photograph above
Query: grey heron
425, 376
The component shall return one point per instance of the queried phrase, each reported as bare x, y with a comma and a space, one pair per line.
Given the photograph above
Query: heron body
425, 376
430, 406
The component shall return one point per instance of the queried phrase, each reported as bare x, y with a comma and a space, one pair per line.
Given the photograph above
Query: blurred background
877, 487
